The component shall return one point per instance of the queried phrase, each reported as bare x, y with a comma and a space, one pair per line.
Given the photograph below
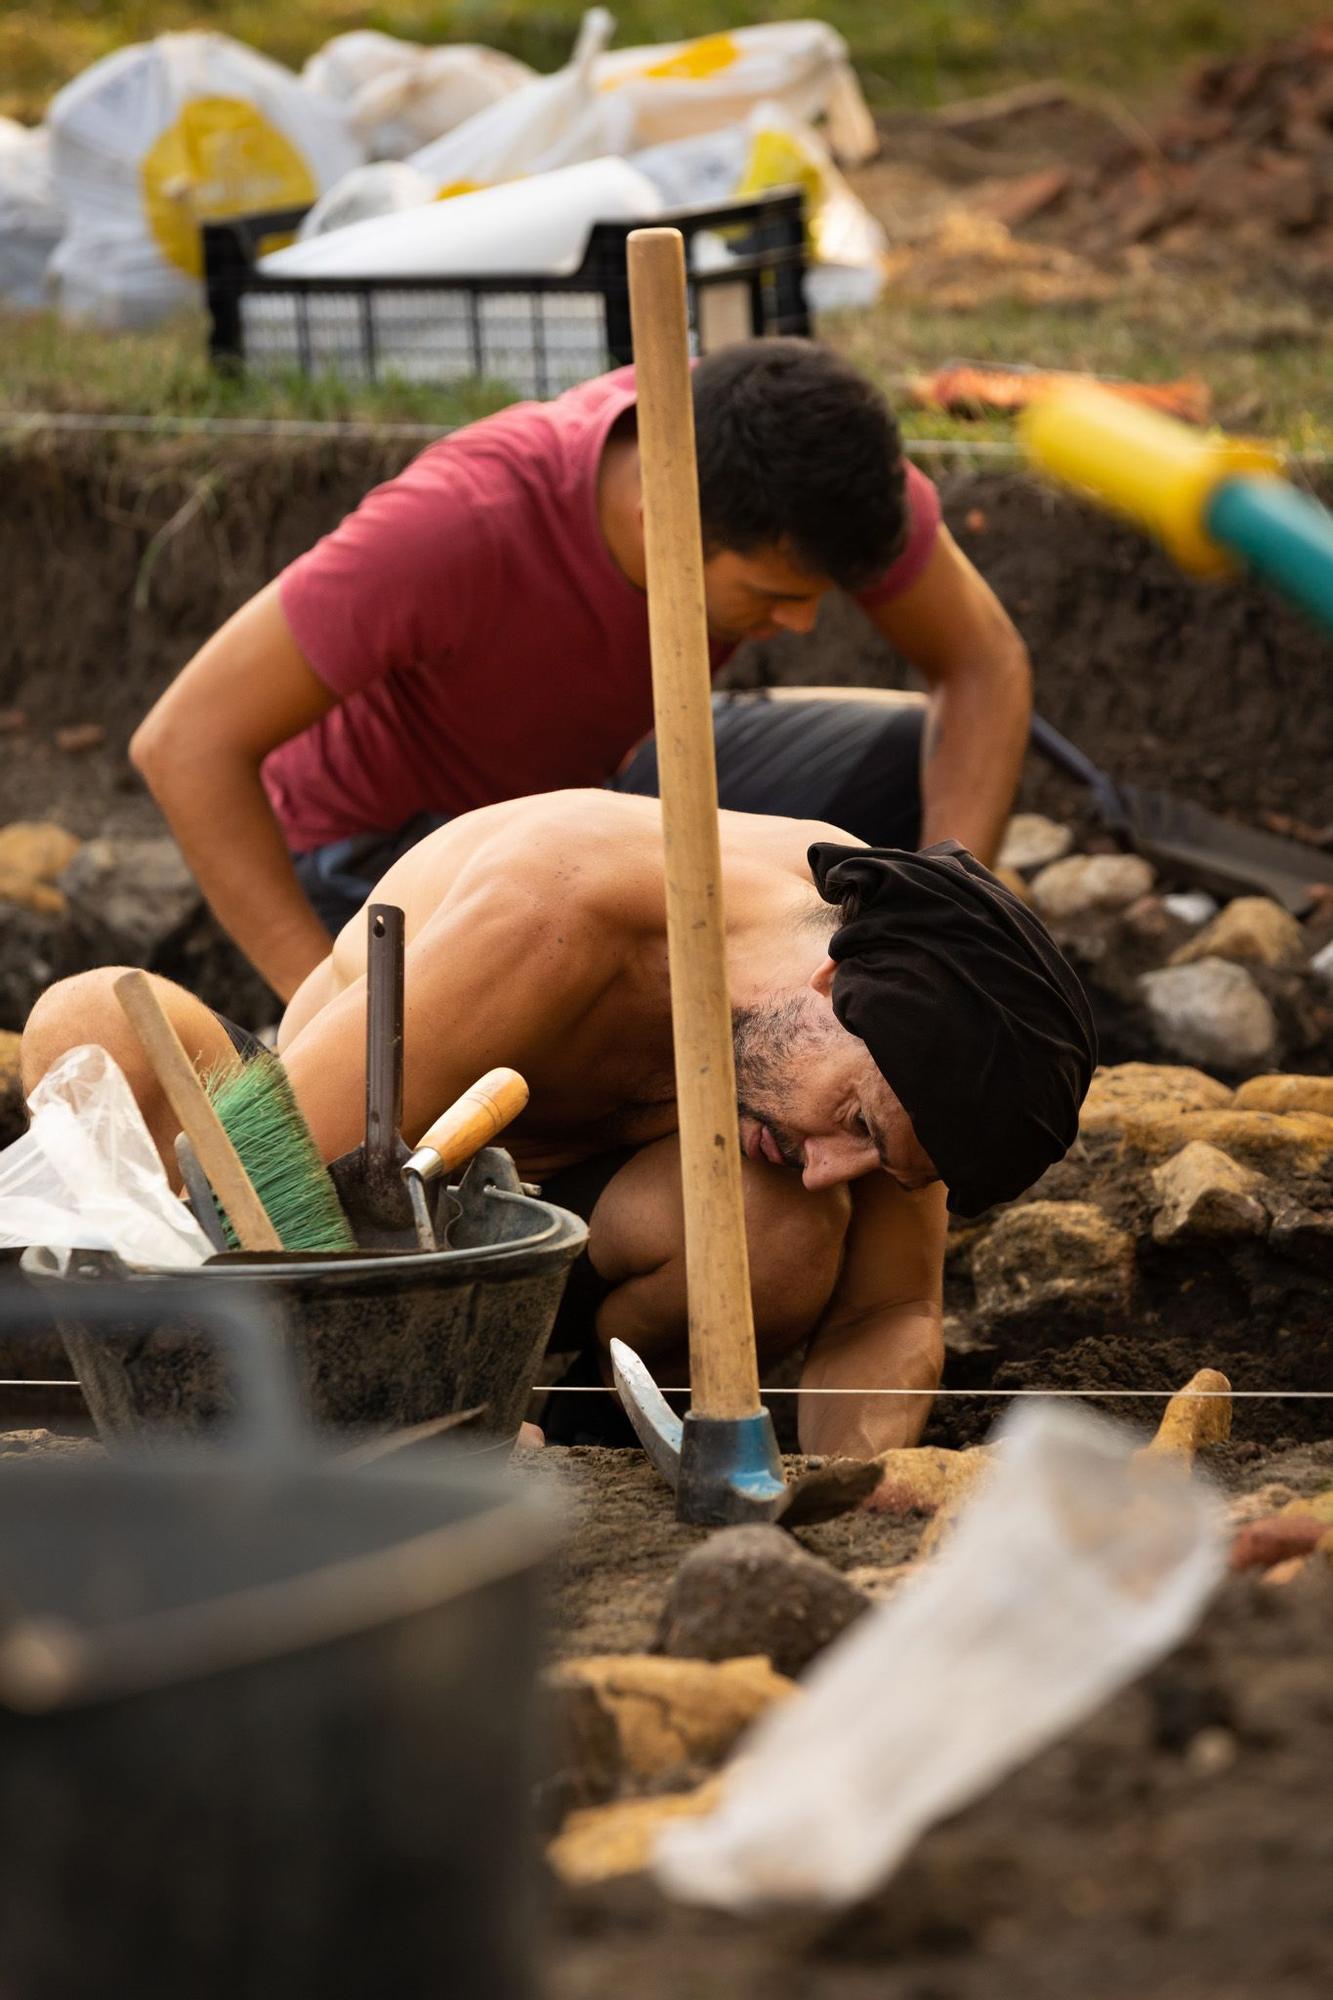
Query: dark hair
796, 447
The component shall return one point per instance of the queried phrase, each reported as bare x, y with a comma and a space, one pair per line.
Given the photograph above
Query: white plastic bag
31, 219
678, 89
86, 1175
155, 140
1072, 1568
555, 121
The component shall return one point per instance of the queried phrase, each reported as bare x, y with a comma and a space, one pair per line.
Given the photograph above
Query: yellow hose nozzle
1143, 465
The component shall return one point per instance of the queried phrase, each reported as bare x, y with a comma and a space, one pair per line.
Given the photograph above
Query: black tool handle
384, 1050
1067, 757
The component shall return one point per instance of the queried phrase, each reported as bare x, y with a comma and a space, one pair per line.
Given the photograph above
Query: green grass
1266, 358
1268, 362
908, 51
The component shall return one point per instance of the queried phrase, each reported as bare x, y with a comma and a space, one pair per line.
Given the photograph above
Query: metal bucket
379, 1341
265, 1724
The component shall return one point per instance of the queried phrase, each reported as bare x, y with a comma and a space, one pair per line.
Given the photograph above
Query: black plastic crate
745, 259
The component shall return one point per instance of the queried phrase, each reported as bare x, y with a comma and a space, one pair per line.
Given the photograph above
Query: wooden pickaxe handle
724, 1376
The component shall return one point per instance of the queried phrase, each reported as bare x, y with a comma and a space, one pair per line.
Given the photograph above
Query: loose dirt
1175, 1846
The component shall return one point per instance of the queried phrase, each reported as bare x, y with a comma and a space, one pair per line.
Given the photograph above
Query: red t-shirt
481, 640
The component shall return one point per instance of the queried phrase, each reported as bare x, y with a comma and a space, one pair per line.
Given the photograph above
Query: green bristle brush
272, 1190
258, 1110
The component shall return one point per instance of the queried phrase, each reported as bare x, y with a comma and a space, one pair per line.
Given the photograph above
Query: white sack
385, 187
773, 149
678, 89
31, 219
163, 136
556, 121
399, 96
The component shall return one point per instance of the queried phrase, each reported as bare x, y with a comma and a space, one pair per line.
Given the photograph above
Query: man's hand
882, 1326
200, 750
952, 626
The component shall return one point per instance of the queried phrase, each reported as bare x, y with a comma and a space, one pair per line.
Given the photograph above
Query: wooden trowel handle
470, 1123
198, 1120
724, 1377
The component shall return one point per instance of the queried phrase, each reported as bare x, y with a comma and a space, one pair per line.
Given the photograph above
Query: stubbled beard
767, 1043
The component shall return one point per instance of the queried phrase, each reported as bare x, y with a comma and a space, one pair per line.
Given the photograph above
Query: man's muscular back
536, 936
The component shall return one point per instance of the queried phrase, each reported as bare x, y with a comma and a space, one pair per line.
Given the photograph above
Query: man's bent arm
200, 750
952, 626
882, 1328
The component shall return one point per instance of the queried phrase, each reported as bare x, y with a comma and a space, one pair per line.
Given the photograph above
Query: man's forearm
976, 738
897, 1349
222, 820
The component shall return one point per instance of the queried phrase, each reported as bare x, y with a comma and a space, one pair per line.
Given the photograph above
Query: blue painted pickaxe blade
726, 1470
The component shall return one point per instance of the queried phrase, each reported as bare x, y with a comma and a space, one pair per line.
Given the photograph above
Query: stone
32, 854
1196, 1416
673, 1714
1295, 1142
1211, 1011
1059, 1256
79, 736
1251, 931
1126, 1092
1190, 906
1321, 965
129, 896
612, 1840
1260, 1544
1287, 1093
754, 1590
1203, 1194
923, 1478
1085, 885
579, 1760
1032, 841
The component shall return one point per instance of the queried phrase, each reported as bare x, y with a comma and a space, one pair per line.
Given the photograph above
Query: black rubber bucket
379, 1341
265, 1724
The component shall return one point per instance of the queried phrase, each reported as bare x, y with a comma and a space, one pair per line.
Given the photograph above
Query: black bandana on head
974, 1019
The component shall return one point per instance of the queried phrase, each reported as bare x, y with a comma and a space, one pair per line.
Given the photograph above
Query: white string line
371, 427
602, 1389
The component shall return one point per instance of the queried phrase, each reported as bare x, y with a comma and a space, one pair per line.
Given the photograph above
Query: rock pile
1235, 990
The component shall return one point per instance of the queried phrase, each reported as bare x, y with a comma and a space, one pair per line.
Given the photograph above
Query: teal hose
1285, 536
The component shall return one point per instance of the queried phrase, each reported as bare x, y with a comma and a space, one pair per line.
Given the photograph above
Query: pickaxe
723, 1459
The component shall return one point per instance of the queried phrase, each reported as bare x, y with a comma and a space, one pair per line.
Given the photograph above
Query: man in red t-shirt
477, 630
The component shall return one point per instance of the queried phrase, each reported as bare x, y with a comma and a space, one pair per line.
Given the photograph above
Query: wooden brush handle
199, 1121
470, 1123
724, 1376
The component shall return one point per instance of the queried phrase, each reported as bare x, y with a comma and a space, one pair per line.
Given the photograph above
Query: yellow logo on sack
692, 64
220, 158
778, 159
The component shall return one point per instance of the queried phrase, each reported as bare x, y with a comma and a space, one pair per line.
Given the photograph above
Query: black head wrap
973, 1017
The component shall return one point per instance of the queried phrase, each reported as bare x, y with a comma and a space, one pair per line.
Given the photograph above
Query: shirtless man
901, 1020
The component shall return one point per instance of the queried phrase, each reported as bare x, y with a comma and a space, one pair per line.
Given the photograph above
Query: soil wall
120, 554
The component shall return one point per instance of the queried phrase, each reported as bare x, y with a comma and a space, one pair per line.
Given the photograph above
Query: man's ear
822, 977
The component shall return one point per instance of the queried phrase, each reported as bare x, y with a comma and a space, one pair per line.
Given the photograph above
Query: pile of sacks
101, 207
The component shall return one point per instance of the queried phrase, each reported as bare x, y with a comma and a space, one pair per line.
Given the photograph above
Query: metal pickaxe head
728, 1470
